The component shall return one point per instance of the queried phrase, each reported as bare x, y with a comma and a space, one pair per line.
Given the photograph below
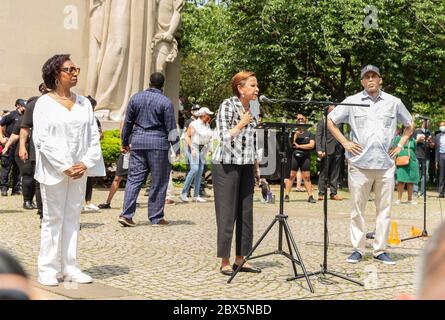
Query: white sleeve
340, 114
52, 147
94, 152
403, 115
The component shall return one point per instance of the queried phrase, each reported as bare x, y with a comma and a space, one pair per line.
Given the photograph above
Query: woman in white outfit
67, 145
198, 138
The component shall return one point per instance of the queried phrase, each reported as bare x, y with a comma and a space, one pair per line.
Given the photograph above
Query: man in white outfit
370, 155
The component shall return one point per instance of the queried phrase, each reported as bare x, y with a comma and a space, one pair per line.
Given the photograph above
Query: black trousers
442, 173
8, 164
30, 186
89, 189
334, 161
233, 186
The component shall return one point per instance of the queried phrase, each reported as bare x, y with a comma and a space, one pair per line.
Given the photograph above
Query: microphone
264, 99
418, 116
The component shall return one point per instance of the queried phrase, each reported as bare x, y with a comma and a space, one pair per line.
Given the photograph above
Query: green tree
310, 49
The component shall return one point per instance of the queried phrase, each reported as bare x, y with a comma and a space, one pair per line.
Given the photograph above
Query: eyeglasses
72, 70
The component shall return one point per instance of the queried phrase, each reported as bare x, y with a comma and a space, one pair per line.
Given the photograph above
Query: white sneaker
79, 277
397, 202
412, 202
91, 208
48, 281
184, 198
199, 199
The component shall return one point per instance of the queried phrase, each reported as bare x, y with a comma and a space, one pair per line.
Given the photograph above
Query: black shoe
249, 269
440, 195
370, 235
28, 205
16, 193
286, 198
311, 200
104, 206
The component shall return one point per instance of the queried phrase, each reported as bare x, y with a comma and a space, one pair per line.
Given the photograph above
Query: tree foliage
314, 49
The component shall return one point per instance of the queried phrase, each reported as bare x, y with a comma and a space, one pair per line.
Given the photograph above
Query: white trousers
62, 204
360, 184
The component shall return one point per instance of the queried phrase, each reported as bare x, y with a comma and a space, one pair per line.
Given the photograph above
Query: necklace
64, 98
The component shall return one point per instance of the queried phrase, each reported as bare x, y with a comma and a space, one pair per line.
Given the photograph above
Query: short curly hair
51, 69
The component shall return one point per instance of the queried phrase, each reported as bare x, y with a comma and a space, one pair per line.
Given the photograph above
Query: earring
57, 82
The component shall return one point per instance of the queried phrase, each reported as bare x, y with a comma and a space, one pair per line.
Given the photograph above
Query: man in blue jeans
150, 121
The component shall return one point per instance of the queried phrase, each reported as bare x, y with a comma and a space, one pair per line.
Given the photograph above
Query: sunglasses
72, 70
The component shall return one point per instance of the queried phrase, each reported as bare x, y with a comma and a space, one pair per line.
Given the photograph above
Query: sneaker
126, 222
355, 257
199, 199
91, 208
162, 223
78, 277
311, 200
397, 202
412, 202
49, 281
384, 258
104, 206
184, 198
286, 198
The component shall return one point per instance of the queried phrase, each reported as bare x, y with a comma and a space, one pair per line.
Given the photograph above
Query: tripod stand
324, 267
281, 218
424, 233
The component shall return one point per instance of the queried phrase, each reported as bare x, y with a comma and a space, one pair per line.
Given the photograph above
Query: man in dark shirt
333, 154
7, 124
424, 140
150, 121
302, 143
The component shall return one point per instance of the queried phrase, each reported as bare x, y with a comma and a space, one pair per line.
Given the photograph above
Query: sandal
226, 271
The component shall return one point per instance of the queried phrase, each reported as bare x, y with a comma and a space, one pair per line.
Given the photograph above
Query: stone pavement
178, 262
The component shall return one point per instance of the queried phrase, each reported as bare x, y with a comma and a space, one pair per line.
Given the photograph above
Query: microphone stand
284, 230
424, 233
324, 267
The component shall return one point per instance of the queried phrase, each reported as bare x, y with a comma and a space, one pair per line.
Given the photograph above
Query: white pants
360, 184
62, 204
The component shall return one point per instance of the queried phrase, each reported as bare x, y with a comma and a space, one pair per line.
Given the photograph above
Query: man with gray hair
370, 155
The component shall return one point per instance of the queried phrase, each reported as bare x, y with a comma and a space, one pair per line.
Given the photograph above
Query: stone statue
165, 46
123, 36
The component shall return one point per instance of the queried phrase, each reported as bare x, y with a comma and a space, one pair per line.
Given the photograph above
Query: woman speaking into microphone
233, 172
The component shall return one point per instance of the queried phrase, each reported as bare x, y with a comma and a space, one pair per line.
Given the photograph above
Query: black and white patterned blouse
240, 149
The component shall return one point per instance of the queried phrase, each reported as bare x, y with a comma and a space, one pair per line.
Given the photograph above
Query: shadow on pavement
107, 271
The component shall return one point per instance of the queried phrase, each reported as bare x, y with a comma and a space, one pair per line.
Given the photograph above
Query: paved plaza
178, 261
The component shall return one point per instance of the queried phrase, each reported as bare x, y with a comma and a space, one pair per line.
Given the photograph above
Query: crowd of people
51, 146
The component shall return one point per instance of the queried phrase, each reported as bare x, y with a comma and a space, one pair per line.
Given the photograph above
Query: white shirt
63, 138
202, 134
374, 127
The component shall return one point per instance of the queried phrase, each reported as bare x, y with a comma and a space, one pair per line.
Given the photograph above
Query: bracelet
400, 146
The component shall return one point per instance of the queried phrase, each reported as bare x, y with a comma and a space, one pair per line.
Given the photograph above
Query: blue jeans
196, 168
